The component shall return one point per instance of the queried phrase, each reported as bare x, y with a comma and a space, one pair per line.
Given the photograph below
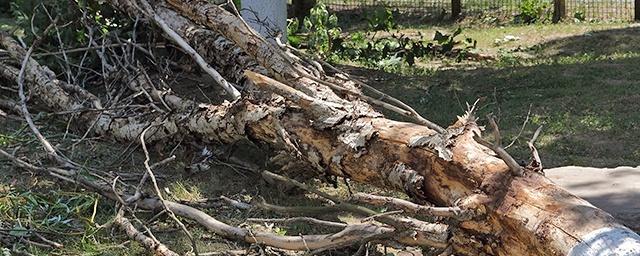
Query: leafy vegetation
58, 215
380, 18
320, 35
532, 11
31, 17
57, 212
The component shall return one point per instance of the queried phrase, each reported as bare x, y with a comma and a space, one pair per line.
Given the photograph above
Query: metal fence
622, 10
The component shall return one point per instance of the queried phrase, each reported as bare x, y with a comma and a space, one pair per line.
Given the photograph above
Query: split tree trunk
526, 215
338, 134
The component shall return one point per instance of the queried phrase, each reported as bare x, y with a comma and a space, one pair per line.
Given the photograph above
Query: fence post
456, 8
636, 10
560, 10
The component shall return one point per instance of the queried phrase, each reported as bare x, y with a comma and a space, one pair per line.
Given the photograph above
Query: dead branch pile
316, 124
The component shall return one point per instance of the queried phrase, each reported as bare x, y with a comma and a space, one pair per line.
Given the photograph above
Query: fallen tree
325, 126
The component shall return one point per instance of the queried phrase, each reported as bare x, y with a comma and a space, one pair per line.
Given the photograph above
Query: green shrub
532, 11
381, 18
580, 15
320, 35
322, 29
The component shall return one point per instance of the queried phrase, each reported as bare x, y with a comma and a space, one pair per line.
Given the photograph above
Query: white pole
268, 17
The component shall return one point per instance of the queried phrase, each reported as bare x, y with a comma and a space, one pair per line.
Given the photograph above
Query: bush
580, 15
532, 11
322, 36
322, 29
381, 18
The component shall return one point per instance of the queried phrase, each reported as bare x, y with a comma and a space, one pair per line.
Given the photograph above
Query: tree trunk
337, 133
456, 8
636, 10
559, 10
526, 215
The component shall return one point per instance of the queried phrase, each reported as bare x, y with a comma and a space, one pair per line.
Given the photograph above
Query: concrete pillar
268, 17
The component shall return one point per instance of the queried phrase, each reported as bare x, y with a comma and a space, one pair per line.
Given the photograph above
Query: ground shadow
586, 104
597, 43
613, 190
356, 19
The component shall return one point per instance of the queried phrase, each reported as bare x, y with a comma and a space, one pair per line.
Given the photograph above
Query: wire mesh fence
602, 9
622, 10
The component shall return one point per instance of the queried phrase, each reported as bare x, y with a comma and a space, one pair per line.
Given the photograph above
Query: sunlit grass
182, 192
581, 81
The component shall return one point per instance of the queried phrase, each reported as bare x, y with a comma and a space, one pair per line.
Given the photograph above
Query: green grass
581, 80
65, 213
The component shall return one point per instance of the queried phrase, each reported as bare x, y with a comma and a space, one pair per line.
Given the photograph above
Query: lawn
580, 81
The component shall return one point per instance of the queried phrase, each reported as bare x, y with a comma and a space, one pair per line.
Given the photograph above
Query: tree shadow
613, 190
587, 105
597, 43
355, 19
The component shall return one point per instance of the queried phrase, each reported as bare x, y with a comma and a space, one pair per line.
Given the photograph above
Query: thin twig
535, 164
398, 104
515, 168
407, 206
235, 94
301, 185
133, 233
89, 48
23, 100
410, 112
159, 193
524, 124
300, 219
372, 217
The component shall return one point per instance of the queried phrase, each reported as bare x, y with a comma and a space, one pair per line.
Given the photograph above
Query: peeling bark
526, 215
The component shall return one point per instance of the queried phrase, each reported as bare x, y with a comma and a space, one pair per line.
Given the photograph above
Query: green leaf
18, 231
457, 32
333, 20
440, 37
308, 25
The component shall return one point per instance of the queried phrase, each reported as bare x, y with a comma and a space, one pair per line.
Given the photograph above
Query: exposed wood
133, 233
343, 136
